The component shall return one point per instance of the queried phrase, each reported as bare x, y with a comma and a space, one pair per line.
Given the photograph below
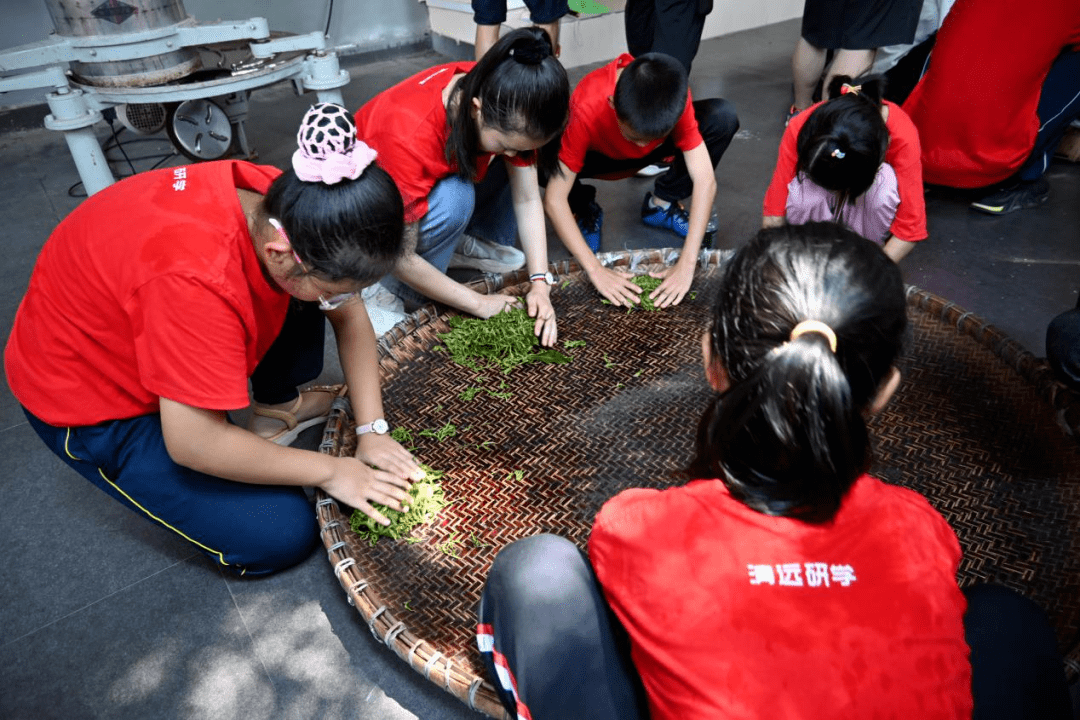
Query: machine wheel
200, 129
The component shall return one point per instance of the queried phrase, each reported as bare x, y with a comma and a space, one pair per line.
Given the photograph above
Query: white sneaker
384, 308
652, 170
472, 252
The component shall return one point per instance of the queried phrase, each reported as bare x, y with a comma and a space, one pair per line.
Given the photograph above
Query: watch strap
372, 427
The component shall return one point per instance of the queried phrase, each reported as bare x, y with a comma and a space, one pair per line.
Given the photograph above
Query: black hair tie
530, 54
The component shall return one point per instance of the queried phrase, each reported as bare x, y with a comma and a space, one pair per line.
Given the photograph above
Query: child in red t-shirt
852, 159
439, 134
785, 582
156, 300
627, 115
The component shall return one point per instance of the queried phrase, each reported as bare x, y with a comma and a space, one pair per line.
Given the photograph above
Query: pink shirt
903, 155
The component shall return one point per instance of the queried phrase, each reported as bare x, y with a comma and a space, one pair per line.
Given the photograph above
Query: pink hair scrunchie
329, 150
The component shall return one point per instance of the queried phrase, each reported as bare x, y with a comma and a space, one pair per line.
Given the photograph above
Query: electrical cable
329, 15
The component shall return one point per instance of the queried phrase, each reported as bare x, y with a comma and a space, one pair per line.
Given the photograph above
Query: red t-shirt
594, 126
976, 105
150, 288
735, 614
903, 155
406, 124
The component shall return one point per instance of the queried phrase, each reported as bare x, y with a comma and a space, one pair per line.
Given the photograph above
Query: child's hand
677, 281
615, 286
538, 303
358, 486
494, 304
385, 453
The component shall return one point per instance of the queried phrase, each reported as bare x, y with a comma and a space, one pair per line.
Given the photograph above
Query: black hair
522, 88
788, 437
650, 94
351, 230
844, 141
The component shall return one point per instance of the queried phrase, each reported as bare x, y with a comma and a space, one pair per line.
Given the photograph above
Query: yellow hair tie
853, 89
814, 326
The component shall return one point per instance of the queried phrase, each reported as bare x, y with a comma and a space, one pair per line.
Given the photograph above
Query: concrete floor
106, 616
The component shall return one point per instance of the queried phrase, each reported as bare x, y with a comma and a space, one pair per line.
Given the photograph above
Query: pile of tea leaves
647, 283
504, 341
425, 501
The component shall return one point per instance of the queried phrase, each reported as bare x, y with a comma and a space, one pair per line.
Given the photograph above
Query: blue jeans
455, 207
248, 529
1059, 105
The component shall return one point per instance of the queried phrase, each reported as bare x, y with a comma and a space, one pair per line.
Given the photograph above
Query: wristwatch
545, 276
379, 427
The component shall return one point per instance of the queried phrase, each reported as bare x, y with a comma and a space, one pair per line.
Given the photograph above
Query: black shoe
1021, 196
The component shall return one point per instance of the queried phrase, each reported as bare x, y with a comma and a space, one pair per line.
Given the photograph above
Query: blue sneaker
674, 217
590, 224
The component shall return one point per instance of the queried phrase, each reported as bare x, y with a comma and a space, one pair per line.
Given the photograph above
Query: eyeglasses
325, 304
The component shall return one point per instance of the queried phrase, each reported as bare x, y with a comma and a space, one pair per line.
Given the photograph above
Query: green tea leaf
469, 393
647, 283
425, 501
504, 341
450, 546
402, 434
552, 357
440, 434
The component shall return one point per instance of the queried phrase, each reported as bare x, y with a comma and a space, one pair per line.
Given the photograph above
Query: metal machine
157, 67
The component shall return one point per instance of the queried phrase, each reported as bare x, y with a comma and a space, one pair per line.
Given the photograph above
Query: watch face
380, 426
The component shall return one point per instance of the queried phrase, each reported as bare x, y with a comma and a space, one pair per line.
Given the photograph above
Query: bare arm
360, 363
205, 441
680, 276
613, 285
421, 275
898, 249
529, 213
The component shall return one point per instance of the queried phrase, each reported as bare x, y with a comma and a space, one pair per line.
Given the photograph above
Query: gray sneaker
477, 254
384, 308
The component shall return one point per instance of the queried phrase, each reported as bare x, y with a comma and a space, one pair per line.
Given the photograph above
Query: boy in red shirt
627, 115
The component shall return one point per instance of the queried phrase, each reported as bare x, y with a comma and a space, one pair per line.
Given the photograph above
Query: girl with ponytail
783, 581
803, 338
854, 159
441, 134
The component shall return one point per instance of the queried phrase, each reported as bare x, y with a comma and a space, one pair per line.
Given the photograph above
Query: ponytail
788, 437
522, 88
844, 141
868, 88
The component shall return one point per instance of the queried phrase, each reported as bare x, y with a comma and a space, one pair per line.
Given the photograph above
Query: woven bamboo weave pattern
974, 428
